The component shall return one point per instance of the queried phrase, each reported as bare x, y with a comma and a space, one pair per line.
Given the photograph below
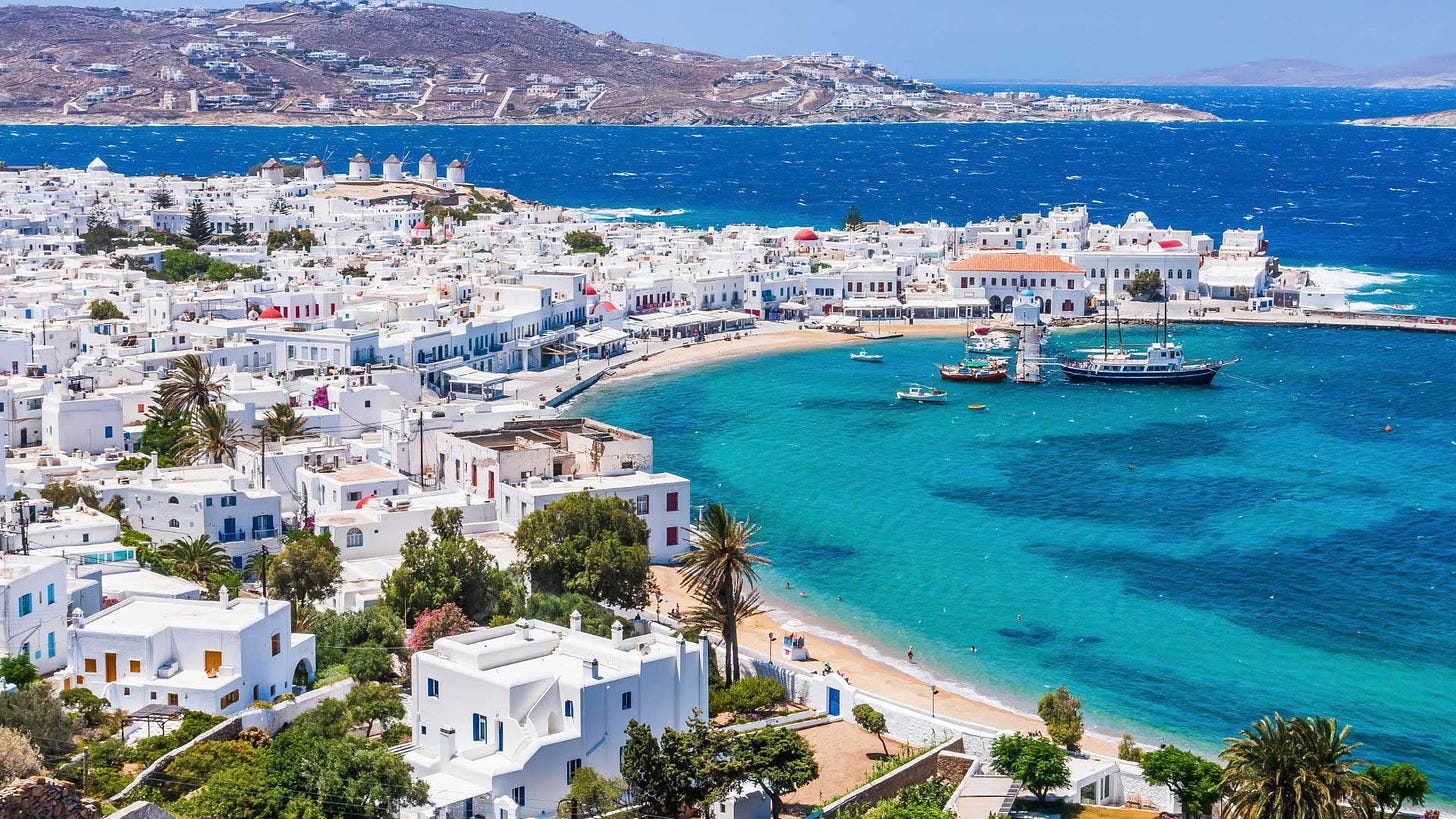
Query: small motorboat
867, 356
974, 371
921, 394
976, 406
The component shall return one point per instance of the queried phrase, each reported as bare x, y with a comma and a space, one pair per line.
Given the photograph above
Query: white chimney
447, 743
523, 628
222, 596
616, 632
576, 621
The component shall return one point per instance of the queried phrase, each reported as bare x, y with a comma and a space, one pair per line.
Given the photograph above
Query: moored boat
867, 356
922, 394
975, 371
1162, 362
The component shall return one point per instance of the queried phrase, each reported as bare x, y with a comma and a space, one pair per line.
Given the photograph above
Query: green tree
866, 717
162, 435
100, 235
557, 608
1146, 285
1392, 787
162, 199
586, 241
687, 768
587, 545
90, 709
67, 494
104, 310
778, 760
853, 220
1128, 749
370, 664
211, 437
33, 710
189, 385
237, 231
451, 569
199, 226
196, 559
282, 421
338, 634
1192, 779
203, 761
749, 695
722, 567
1062, 714
1038, 762
1300, 768
308, 568
18, 670
372, 702
594, 794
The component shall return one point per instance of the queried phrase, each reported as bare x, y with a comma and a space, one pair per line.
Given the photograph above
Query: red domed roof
421, 225
591, 291
271, 313
806, 235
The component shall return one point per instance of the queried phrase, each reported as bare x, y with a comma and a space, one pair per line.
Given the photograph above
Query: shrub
746, 696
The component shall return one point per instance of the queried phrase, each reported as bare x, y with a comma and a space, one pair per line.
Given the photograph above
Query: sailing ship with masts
1162, 362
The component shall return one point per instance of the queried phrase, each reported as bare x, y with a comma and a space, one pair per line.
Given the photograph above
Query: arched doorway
303, 672
995, 304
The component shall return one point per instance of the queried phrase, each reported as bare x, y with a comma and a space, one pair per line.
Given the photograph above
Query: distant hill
409, 61
1438, 71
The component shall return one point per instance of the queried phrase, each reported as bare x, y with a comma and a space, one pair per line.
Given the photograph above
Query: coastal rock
1435, 119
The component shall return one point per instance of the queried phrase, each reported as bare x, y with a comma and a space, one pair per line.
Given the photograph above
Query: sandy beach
872, 675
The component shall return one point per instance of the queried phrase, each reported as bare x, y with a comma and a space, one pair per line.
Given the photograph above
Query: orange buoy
1387, 428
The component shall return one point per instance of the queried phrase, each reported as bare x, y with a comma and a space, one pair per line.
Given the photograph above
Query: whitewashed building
505, 716
215, 656
33, 594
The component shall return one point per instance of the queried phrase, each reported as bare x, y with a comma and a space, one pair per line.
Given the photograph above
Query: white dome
97, 166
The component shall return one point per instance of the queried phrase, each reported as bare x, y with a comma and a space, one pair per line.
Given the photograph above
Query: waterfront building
1057, 286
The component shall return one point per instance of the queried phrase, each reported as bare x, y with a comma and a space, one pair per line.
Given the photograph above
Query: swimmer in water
1018, 618
973, 649
910, 654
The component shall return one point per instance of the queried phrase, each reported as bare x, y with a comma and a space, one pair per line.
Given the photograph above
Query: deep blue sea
1184, 560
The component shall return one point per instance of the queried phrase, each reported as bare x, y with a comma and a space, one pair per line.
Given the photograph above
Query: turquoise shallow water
1183, 559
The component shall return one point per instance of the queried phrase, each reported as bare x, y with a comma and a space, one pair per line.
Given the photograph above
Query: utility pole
420, 433
263, 568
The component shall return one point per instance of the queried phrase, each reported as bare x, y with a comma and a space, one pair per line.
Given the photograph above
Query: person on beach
910, 654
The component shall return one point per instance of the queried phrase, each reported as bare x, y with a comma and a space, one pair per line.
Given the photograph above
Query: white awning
793, 305
596, 338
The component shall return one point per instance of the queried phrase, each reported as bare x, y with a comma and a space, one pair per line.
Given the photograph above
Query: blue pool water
1183, 559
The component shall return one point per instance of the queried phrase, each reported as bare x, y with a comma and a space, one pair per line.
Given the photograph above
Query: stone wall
921, 769
41, 798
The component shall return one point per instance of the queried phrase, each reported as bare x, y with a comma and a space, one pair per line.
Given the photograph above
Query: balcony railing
232, 537
263, 534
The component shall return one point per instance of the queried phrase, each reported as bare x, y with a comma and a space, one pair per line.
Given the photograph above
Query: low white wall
274, 719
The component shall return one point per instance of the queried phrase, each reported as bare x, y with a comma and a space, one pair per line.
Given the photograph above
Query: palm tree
211, 438
190, 385
721, 568
257, 565
1302, 768
281, 421
196, 558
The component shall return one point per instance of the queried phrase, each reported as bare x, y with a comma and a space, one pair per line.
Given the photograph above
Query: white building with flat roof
216, 656
33, 596
662, 499
504, 716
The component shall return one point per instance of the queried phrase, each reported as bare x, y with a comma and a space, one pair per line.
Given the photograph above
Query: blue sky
1002, 39
1044, 39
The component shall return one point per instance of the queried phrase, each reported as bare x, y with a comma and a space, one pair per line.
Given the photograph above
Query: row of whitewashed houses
400, 331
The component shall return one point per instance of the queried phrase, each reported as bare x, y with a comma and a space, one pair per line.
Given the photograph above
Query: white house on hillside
33, 593
216, 656
505, 716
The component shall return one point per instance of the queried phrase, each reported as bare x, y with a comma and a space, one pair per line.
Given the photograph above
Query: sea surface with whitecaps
1184, 559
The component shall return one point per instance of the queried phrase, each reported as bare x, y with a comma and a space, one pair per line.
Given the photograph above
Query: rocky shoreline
1434, 119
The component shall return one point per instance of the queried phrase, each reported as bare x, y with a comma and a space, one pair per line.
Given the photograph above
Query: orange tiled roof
1013, 263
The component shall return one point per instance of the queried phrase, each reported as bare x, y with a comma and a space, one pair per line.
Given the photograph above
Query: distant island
403, 61
1434, 119
1437, 71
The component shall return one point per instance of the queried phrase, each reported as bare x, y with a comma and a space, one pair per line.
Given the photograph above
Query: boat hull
988, 377
1193, 377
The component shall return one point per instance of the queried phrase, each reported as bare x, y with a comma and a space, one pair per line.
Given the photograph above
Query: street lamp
659, 607
933, 692
770, 647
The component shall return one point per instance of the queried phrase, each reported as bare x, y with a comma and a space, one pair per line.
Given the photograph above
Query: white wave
1375, 307
1349, 280
610, 214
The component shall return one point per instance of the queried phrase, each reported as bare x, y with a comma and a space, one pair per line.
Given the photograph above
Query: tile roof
1013, 263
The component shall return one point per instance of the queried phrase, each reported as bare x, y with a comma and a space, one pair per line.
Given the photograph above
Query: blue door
834, 702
